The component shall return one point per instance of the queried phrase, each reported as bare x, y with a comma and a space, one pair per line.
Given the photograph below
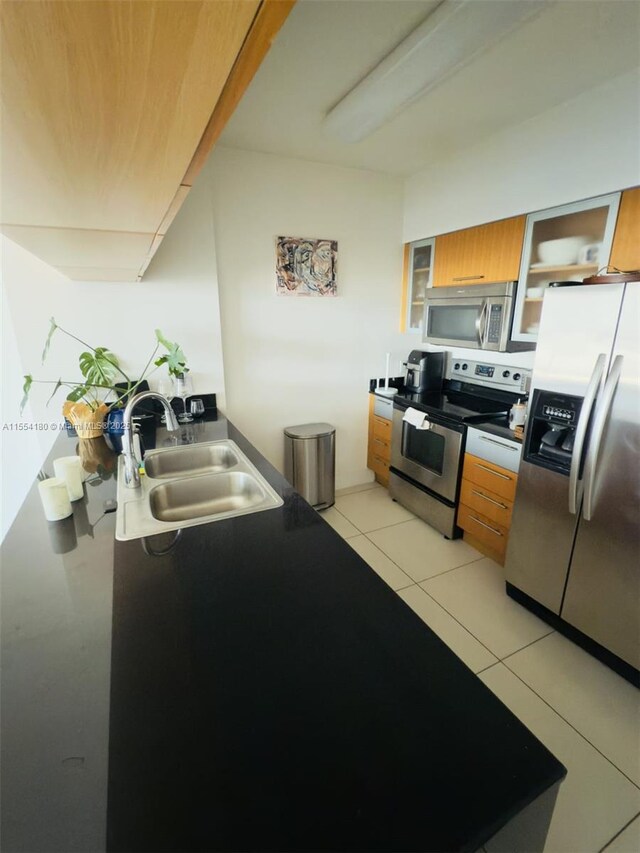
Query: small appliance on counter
424, 371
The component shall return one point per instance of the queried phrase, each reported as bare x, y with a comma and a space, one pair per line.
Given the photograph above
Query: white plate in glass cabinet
420, 273
566, 243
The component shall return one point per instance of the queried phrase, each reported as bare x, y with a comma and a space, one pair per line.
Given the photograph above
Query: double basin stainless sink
190, 485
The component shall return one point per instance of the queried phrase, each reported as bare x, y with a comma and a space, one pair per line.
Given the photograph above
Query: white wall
21, 451
292, 360
178, 295
585, 147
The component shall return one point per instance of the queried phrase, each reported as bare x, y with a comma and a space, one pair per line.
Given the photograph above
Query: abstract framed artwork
306, 267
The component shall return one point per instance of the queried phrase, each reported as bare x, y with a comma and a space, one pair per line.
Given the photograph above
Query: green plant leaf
98, 367
47, 343
77, 393
175, 359
28, 380
53, 393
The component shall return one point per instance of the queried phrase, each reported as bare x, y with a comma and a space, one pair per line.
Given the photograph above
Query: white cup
69, 469
517, 415
55, 499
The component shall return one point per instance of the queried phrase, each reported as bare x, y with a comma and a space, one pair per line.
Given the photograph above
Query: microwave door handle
479, 325
486, 313
599, 424
581, 431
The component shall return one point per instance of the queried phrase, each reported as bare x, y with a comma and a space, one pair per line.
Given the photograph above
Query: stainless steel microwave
478, 316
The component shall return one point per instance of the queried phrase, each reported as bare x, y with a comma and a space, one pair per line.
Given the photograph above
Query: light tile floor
583, 712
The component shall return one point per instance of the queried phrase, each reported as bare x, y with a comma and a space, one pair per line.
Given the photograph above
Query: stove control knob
456, 366
516, 377
506, 374
464, 366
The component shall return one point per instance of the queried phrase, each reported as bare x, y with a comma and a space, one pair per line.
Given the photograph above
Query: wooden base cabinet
379, 450
486, 504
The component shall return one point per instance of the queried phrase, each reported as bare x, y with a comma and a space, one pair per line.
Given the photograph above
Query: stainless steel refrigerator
574, 546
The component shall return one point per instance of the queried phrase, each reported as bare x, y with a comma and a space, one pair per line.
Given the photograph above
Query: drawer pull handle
491, 500
380, 441
491, 471
499, 443
488, 526
467, 277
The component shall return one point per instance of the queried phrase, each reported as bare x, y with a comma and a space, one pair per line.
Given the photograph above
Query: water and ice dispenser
554, 418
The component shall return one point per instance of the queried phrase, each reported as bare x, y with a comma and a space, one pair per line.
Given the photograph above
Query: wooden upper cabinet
109, 110
480, 255
625, 249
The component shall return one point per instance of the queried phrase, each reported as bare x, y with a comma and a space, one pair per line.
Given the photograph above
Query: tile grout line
370, 488
464, 627
395, 524
491, 665
446, 571
570, 724
619, 832
477, 559
533, 642
348, 520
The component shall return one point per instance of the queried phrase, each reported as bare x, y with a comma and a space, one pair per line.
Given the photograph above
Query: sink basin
209, 495
189, 460
189, 485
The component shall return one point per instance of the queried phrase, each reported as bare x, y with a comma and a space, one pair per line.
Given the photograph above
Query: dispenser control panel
554, 412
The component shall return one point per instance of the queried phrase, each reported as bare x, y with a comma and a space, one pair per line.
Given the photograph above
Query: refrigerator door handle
581, 431
600, 422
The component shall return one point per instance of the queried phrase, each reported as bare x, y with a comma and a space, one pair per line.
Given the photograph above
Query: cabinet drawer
382, 407
489, 504
380, 467
382, 428
485, 531
381, 448
494, 448
498, 480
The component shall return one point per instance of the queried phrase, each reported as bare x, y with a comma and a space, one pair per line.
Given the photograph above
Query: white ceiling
327, 46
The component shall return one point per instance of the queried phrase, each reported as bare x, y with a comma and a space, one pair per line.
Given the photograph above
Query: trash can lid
309, 430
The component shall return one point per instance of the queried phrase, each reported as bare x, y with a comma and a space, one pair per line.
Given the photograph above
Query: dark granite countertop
259, 687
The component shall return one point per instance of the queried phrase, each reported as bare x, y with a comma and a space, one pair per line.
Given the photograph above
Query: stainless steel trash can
310, 462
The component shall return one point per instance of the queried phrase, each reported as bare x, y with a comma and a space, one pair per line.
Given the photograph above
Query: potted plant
104, 386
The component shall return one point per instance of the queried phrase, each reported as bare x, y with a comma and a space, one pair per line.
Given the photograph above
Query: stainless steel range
429, 430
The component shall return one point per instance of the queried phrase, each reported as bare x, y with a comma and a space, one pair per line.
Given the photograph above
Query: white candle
69, 469
55, 499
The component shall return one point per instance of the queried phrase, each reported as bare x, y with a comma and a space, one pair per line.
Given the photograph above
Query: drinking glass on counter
166, 387
197, 408
184, 389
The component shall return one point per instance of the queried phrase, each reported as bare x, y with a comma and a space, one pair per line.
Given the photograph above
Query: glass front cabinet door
419, 273
565, 243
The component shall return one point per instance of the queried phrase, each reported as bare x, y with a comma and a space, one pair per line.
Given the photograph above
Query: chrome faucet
131, 476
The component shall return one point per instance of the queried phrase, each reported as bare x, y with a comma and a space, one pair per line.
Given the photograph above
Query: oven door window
424, 447
453, 322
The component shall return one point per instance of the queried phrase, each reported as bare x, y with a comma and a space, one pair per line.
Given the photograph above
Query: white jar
69, 469
55, 499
